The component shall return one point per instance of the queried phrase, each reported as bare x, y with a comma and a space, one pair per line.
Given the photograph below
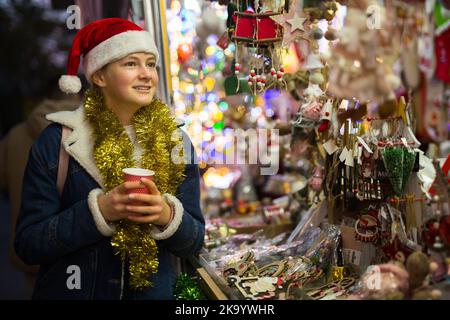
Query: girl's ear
98, 78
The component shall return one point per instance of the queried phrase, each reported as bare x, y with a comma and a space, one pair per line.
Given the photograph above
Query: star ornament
296, 23
293, 26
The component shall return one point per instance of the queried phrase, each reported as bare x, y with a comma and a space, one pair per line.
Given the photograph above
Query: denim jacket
68, 237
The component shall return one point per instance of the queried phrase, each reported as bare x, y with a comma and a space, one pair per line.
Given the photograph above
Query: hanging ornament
331, 34
256, 26
245, 25
280, 74
409, 158
326, 116
257, 33
293, 23
313, 91
223, 41
312, 62
317, 78
316, 33
296, 23
311, 110
237, 68
273, 72
393, 161
267, 29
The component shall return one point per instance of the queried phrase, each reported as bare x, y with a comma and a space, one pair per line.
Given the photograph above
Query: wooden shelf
250, 40
212, 285
209, 287
257, 15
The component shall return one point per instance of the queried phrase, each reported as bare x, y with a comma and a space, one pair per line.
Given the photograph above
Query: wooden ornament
387, 108
317, 78
245, 25
266, 28
331, 34
316, 34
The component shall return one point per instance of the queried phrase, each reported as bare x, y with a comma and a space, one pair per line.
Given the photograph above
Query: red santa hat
101, 42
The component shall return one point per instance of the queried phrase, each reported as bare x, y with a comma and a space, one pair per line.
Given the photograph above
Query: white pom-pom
69, 84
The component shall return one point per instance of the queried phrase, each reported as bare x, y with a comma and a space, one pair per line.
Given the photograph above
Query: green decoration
187, 289
231, 86
441, 19
393, 161
409, 158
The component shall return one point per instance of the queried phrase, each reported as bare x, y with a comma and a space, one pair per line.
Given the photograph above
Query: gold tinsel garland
113, 151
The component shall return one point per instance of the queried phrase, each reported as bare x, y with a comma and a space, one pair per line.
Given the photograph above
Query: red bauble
184, 52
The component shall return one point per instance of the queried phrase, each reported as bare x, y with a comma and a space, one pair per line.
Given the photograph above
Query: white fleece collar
79, 144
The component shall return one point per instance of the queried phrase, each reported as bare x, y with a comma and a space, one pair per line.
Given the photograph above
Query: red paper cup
136, 174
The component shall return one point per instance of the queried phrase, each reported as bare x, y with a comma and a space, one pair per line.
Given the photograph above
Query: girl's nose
144, 72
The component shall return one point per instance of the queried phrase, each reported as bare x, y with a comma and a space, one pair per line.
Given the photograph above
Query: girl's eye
130, 64
151, 64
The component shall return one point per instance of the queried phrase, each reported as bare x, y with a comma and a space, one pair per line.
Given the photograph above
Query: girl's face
130, 81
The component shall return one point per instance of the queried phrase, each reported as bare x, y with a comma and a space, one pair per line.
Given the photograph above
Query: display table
213, 286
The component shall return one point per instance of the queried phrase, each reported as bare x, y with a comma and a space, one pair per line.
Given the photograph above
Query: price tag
358, 156
349, 160
330, 147
343, 154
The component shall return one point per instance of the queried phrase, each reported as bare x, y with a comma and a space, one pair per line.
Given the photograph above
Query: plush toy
384, 282
419, 267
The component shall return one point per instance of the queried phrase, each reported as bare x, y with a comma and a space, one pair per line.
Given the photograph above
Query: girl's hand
151, 208
113, 204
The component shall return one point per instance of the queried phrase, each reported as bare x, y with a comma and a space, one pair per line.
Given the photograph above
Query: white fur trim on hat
117, 47
69, 84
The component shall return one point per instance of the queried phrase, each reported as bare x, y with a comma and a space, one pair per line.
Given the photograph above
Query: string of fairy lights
197, 66
197, 93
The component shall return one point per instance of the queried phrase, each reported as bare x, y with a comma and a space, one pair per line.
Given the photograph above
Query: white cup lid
138, 172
